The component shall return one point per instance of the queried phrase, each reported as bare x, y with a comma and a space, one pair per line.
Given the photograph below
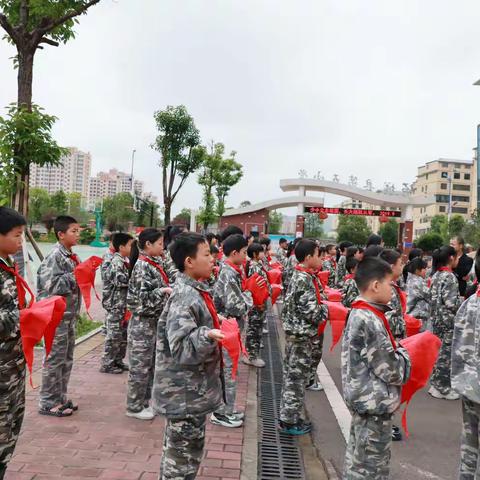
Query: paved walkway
99, 441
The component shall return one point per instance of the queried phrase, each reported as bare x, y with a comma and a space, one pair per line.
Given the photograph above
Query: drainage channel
279, 455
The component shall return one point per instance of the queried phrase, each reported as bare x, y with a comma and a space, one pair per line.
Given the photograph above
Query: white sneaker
256, 362
452, 395
145, 414
315, 387
238, 415
435, 393
225, 420
265, 330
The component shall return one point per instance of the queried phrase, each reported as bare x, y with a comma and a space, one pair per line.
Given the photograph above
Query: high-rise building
452, 183
72, 176
108, 184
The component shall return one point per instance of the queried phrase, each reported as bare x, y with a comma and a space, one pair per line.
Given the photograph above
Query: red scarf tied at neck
157, 266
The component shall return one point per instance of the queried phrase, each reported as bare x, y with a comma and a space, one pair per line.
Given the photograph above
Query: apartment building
72, 176
453, 184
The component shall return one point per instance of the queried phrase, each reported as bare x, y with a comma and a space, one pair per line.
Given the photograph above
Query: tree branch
5, 24
49, 41
24, 11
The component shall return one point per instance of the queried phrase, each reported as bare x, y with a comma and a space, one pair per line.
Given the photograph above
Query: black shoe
123, 366
114, 370
396, 434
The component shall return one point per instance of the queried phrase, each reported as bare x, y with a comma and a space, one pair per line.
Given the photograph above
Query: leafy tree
183, 217
177, 143
439, 224
39, 203
74, 207
455, 226
353, 228
429, 241
118, 212
147, 213
228, 175
313, 226
30, 25
207, 179
389, 232
58, 201
275, 220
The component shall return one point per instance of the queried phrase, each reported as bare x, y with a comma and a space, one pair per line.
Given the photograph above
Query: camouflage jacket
302, 313
372, 371
329, 265
11, 350
350, 292
230, 300
257, 267
395, 316
341, 271
466, 350
115, 286
56, 277
418, 297
187, 370
144, 297
445, 301
290, 265
107, 260
281, 256
170, 269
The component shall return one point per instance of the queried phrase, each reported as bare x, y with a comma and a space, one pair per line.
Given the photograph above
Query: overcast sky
372, 89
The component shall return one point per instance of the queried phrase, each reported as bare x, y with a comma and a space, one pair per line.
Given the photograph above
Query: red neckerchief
444, 269
157, 266
207, 298
22, 285
239, 270
478, 291
402, 295
75, 259
111, 250
315, 281
331, 259
350, 276
269, 258
429, 282
362, 305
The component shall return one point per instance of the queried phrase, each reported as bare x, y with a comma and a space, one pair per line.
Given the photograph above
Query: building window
442, 209
443, 186
456, 176
466, 176
459, 210
465, 188
459, 198
444, 165
441, 198
426, 176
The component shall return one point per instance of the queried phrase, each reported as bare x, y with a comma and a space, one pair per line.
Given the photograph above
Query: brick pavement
99, 441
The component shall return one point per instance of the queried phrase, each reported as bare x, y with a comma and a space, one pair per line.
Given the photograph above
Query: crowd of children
165, 308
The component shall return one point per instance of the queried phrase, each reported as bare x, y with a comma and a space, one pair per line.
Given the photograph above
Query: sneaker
435, 393
238, 415
255, 362
452, 395
225, 420
265, 330
123, 366
396, 434
145, 414
315, 387
298, 429
114, 370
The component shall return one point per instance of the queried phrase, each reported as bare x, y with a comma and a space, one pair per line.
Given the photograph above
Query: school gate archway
255, 217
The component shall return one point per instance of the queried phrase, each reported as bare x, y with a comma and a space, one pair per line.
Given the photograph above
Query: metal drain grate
279, 456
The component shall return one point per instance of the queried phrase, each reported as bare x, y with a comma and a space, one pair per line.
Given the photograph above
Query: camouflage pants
253, 337
116, 341
368, 451
297, 366
12, 409
142, 337
58, 366
183, 443
440, 378
230, 386
469, 464
317, 351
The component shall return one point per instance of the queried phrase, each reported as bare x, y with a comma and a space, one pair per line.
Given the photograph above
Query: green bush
87, 236
36, 234
85, 325
429, 241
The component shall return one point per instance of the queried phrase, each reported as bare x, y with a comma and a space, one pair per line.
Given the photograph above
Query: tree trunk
168, 207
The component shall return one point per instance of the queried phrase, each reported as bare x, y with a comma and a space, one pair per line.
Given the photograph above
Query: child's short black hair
373, 251
9, 219
231, 230
441, 257
390, 256
210, 236
351, 251
185, 245
374, 239
414, 253
304, 248
343, 245
234, 243
418, 263
265, 241
350, 264
119, 239
329, 246
282, 240
254, 248
62, 224
214, 249
369, 270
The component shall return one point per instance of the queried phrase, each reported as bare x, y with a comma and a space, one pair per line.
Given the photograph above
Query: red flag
423, 350
232, 342
333, 294
276, 291
274, 276
259, 293
40, 320
85, 276
413, 324
276, 266
337, 317
323, 277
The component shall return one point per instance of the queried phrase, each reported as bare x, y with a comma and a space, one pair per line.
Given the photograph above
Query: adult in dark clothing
464, 263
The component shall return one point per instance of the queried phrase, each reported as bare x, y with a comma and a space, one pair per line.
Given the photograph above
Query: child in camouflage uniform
290, 264
56, 277
187, 384
257, 314
106, 261
114, 301
373, 370
350, 290
231, 302
445, 303
330, 265
341, 271
302, 314
466, 379
148, 291
281, 252
12, 361
418, 293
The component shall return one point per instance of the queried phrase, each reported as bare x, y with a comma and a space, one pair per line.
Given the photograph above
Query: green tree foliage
389, 232
455, 226
313, 226
118, 212
439, 224
58, 202
228, 175
275, 220
353, 228
430, 241
183, 218
148, 213
38, 205
177, 142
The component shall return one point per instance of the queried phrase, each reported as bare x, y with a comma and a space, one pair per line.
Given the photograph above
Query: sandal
71, 405
59, 412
